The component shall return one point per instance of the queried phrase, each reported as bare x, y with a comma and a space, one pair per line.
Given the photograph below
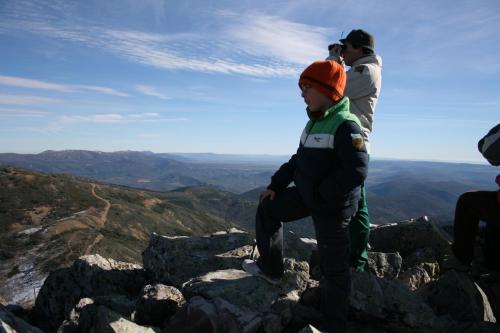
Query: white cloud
274, 37
102, 90
256, 45
33, 84
9, 99
150, 91
21, 113
95, 118
20, 82
116, 118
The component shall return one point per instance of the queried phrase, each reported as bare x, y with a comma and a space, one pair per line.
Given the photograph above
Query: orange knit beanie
328, 77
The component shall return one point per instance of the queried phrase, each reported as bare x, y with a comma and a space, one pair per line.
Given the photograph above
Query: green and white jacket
330, 165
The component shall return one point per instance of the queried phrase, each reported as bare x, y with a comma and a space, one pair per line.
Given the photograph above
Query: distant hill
161, 172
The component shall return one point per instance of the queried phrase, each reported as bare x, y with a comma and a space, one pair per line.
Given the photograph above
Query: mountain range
396, 190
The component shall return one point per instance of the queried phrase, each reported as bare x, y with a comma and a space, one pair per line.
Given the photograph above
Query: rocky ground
195, 284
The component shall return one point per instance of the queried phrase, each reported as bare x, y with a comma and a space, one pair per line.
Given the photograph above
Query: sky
221, 76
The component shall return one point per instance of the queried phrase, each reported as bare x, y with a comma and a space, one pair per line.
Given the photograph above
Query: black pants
473, 207
333, 245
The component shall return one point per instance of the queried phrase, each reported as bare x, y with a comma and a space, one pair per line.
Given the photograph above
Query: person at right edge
364, 81
476, 206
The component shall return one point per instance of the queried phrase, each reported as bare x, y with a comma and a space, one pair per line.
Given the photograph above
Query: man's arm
359, 82
354, 164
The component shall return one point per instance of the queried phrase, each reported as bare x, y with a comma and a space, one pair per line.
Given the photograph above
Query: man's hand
335, 51
267, 193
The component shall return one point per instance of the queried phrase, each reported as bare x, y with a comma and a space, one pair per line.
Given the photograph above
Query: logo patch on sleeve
357, 141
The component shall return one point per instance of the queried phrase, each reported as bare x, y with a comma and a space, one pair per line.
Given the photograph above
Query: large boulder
89, 276
252, 299
388, 303
456, 295
157, 304
173, 260
380, 303
9, 323
407, 237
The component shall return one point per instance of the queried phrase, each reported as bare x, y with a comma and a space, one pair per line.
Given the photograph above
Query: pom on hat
328, 77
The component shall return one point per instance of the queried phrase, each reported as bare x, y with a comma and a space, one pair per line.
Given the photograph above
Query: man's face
351, 54
315, 100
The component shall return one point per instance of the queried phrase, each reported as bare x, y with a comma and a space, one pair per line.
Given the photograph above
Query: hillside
398, 189
47, 221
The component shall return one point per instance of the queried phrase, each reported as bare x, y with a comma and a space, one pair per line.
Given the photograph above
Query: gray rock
200, 315
157, 304
407, 237
89, 276
389, 304
455, 294
298, 248
414, 277
107, 321
9, 323
272, 305
174, 260
385, 264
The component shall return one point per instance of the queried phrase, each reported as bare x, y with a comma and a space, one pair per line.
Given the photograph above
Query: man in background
364, 81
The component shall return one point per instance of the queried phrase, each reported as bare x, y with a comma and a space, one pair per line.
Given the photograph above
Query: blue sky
221, 76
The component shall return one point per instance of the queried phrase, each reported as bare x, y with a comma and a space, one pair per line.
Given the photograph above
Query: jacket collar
343, 104
369, 59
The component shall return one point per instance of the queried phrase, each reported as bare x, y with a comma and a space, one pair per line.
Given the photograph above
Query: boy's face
315, 100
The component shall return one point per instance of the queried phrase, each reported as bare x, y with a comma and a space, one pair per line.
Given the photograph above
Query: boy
328, 169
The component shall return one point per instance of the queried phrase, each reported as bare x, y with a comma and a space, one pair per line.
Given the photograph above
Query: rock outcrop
89, 276
174, 260
196, 284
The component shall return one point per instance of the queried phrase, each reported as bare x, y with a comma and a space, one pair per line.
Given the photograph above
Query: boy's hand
267, 193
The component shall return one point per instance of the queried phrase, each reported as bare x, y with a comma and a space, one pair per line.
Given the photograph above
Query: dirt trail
104, 216
96, 240
102, 219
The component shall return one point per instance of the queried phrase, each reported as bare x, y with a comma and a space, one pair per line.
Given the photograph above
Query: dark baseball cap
360, 38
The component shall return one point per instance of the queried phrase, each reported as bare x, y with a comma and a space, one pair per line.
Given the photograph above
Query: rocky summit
196, 284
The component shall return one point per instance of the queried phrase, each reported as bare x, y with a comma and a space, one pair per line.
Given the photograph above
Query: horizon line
256, 155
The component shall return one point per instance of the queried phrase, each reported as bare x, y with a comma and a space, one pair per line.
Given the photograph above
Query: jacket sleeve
359, 82
354, 164
489, 145
284, 176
